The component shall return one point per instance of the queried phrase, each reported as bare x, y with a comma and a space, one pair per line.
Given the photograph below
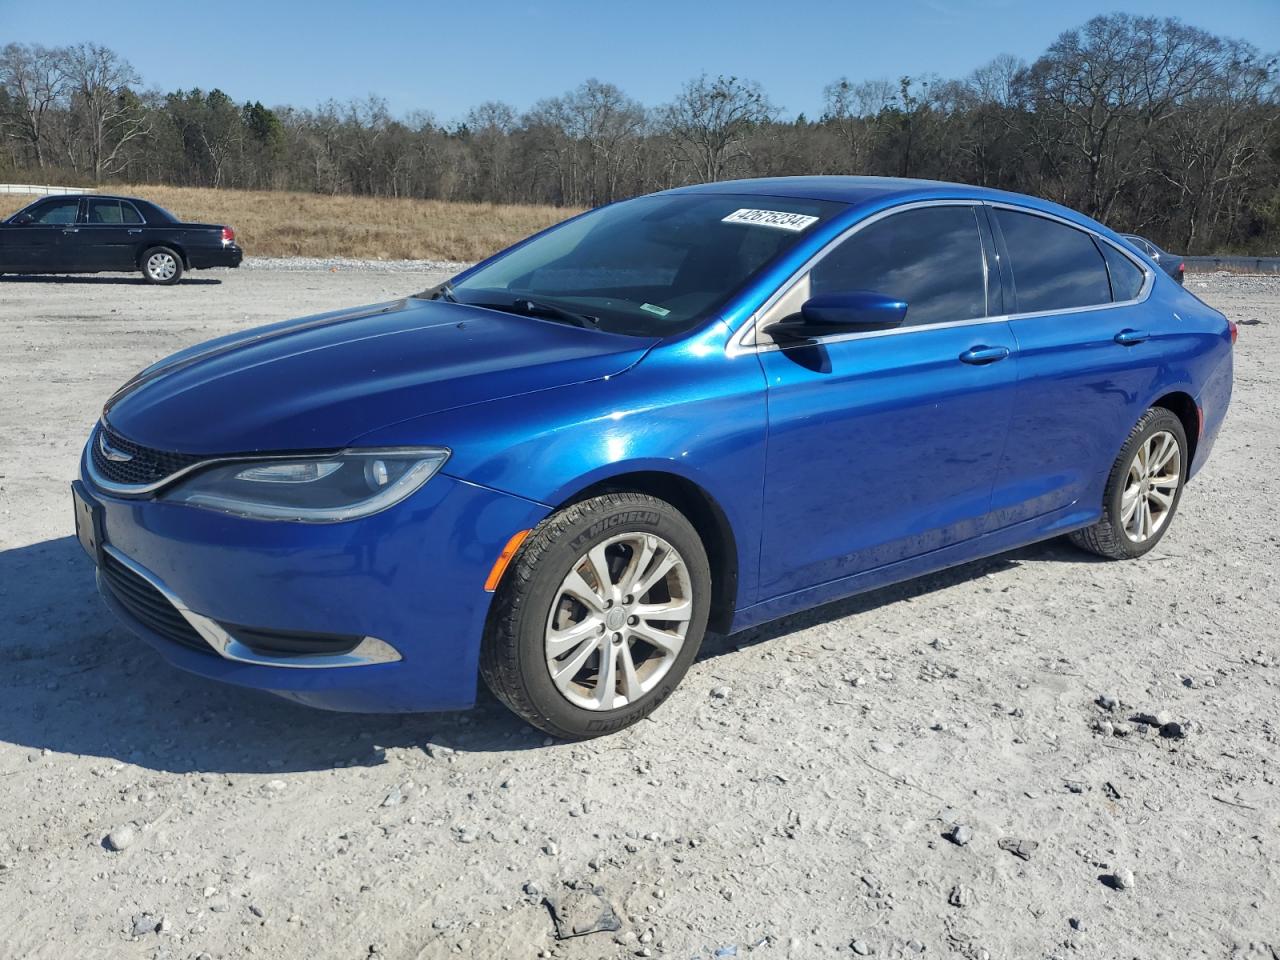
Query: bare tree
996, 82
489, 127
107, 114
853, 111
1098, 94
1213, 142
606, 122
708, 122
36, 79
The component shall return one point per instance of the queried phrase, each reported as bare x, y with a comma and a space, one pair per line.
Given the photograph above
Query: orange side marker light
504, 558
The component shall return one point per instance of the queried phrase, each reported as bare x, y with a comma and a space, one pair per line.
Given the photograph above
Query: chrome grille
145, 465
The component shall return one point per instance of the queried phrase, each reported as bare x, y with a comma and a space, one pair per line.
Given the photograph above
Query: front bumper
406, 583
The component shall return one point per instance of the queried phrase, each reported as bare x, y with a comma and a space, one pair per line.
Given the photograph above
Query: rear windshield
157, 212
652, 266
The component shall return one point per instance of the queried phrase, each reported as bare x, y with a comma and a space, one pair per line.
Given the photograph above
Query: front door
884, 444
38, 244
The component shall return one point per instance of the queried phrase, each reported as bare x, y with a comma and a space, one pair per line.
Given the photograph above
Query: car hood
320, 382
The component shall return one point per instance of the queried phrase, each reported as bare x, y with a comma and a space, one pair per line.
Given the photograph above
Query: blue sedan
701, 409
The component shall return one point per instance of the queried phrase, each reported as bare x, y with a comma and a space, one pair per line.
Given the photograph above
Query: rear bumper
200, 258
407, 584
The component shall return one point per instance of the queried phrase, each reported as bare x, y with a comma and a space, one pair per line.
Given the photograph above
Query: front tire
599, 616
161, 265
1143, 489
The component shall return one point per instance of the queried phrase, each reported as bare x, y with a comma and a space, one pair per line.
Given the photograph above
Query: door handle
71, 230
980, 355
135, 231
1129, 338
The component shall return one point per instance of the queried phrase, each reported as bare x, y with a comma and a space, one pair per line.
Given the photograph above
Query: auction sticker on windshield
779, 219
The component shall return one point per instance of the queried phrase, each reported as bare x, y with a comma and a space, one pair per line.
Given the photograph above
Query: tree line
1147, 124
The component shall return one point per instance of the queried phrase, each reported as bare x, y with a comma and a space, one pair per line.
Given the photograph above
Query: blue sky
446, 57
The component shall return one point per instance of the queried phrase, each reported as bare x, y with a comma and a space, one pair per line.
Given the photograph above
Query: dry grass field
277, 224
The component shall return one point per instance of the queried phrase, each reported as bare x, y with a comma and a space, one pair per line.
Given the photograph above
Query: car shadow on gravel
74, 681
94, 279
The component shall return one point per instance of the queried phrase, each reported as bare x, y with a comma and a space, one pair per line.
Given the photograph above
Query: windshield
652, 266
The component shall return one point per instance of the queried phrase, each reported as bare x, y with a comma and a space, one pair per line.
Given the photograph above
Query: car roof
86, 196
111, 196
880, 192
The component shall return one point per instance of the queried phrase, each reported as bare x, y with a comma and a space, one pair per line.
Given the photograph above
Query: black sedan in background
1168, 262
91, 234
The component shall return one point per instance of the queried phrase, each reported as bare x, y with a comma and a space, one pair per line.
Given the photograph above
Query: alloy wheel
619, 621
161, 266
1148, 496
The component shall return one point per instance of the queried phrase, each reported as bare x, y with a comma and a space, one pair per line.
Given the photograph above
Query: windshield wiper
441, 291
558, 313
523, 306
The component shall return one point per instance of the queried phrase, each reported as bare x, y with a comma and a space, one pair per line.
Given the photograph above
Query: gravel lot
797, 797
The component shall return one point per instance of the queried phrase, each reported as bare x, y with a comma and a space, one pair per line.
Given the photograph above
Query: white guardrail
1242, 264
40, 190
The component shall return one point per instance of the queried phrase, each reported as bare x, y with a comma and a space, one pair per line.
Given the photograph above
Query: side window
58, 211
129, 213
930, 257
104, 211
1055, 267
1126, 278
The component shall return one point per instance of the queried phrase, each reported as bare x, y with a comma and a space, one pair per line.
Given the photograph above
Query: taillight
1235, 331
228, 234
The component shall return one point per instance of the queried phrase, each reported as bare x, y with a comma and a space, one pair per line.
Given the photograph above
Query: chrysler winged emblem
110, 452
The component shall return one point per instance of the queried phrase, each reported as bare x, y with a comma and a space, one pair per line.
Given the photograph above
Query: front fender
687, 409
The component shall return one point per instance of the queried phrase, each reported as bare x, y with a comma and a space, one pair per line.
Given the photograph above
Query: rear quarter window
1126, 278
1055, 267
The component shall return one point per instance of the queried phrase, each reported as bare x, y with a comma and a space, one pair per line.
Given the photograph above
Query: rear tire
1148, 475
577, 658
161, 265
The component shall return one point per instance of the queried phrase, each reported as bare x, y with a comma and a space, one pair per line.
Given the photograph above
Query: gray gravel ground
946, 768
337, 264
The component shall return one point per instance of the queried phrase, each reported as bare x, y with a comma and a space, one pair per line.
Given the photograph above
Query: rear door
1085, 360
39, 245
884, 444
110, 235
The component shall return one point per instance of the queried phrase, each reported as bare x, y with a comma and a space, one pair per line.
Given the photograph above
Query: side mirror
853, 310
22, 219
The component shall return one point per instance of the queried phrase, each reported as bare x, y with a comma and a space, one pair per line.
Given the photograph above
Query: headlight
342, 486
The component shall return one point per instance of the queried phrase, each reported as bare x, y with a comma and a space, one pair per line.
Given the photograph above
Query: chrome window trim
744, 342
369, 650
142, 221
48, 202
1148, 275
